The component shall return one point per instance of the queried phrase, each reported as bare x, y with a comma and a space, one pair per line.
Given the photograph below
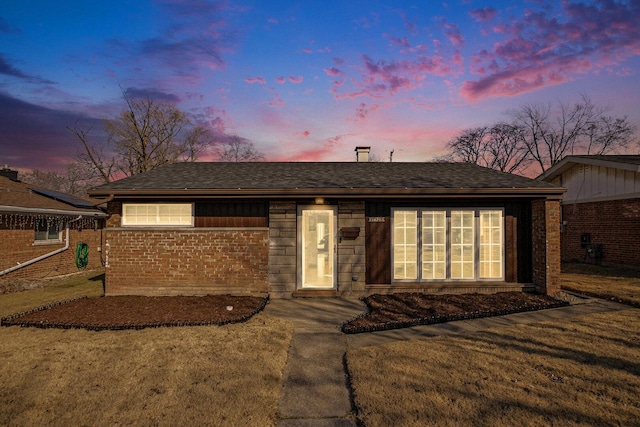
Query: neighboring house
601, 209
329, 229
40, 230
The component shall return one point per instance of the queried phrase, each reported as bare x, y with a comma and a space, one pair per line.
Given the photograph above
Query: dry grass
205, 375
584, 371
89, 284
605, 282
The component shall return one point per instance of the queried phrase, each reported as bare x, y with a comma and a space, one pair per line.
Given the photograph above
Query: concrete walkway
315, 391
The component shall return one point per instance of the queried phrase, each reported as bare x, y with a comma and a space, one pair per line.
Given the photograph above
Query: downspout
41, 257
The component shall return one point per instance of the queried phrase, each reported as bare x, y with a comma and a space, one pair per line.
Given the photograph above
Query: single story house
601, 209
330, 229
40, 230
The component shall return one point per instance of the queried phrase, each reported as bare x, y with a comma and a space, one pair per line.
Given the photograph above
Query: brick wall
186, 261
17, 246
614, 223
545, 215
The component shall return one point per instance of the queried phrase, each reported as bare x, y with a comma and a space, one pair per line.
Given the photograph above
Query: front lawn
605, 282
580, 372
202, 375
576, 372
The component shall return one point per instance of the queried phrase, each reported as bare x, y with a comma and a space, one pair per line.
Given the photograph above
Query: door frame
300, 248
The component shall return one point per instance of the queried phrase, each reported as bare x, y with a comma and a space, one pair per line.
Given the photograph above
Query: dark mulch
137, 312
411, 309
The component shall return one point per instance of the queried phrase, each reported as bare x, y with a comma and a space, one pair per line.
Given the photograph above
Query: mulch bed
404, 310
138, 312
383, 311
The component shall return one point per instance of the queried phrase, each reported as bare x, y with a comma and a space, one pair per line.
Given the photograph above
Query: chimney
362, 154
8, 173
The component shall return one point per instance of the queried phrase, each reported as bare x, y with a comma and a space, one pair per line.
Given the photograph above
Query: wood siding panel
511, 249
231, 214
378, 251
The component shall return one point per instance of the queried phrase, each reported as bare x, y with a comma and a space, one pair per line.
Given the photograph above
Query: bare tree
76, 180
541, 136
498, 147
145, 135
582, 128
93, 158
238, 149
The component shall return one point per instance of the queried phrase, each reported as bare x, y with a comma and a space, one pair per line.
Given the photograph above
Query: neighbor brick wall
156, 261
613, 223
17, 246
545, 215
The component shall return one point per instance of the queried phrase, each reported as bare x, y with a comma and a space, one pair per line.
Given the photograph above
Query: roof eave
569, 161
45, 211
552, 192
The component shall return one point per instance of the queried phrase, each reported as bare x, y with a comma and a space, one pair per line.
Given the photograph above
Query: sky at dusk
307, 80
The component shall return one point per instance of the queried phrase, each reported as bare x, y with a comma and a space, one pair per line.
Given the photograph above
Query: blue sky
307, 80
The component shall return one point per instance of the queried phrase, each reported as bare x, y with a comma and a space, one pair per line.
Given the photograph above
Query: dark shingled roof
353, 178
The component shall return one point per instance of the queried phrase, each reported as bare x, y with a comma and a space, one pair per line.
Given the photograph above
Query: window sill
47, 242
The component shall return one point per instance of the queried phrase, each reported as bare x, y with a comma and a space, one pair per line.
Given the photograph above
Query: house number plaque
376, 219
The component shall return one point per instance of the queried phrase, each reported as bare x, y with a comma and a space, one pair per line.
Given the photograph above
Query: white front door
317, 247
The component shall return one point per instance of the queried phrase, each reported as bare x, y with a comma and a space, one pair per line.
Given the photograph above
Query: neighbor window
163, 214
47, 231
448, 244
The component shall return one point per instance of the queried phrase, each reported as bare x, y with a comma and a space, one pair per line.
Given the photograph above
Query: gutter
41, 257
19, 209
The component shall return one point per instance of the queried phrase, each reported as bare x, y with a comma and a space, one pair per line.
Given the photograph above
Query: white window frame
153, 216
480, 242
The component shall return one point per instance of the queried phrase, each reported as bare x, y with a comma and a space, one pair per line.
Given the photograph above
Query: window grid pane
405, 249
157, 214
491, 230
462, 245
434, 260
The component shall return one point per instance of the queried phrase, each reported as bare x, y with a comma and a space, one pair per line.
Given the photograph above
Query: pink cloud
307, 51
363, 110
380, 78
333, 72
296, 80
454, 35
483, 15
281, 80
253, 80
273, 21
276, 100
542, 49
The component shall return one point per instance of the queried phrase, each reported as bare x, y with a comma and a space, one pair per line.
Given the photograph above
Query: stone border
430, 320
13, 320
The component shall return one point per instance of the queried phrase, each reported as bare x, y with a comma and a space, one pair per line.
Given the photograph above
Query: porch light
319, 200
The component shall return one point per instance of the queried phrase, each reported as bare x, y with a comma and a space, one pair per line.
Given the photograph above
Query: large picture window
448, 244
163, 214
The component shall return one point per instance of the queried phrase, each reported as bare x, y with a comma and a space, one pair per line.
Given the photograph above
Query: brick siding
17, 246
186, 261
546, 245
614, 223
